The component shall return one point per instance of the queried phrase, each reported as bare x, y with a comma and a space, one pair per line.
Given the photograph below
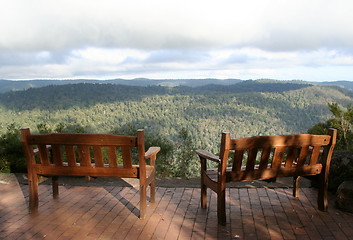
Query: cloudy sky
278, 39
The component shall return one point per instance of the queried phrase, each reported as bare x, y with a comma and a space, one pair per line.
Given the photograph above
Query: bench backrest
265, 157
83, 154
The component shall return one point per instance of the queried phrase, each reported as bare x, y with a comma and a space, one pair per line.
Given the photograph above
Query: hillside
251, 108
7, 86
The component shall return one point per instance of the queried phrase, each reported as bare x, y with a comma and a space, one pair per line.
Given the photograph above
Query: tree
185, 155
11, 152
343, 121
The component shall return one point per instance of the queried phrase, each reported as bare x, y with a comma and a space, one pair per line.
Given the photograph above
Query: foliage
342, 121
11, 152
251, 108
4, 165
185, 161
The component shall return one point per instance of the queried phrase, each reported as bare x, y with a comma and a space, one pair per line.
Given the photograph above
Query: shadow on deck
108, 209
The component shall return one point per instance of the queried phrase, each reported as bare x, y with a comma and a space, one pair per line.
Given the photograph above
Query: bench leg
221, 207
203, 194
296, 186
203, 185
55, 184
143, 201
153, 191
322, 195
33, 192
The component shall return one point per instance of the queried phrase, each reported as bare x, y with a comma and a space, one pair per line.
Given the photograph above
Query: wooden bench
87, 155
267, 157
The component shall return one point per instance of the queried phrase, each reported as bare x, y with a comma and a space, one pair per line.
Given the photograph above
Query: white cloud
49, 38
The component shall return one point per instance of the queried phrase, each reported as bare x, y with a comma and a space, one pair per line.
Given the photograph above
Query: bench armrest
207, 155
152, 151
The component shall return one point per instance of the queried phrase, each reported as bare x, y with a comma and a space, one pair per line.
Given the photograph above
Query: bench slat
86, 171
292, 155
57, 157
70, 154
265, 156
269, 173
278, 157
112, 157
98, 156
127, 158
84, 155
315, 155
43, 155
303, 154
82, 139
280, 140
238, 159
250, 163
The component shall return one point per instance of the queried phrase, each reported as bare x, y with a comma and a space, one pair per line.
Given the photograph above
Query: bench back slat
237, 160
98, 156
278, 157
303, 154
250, 163
126, 153
43, 155
84, 155
57, 156
292, 155
112, 157
70, 154
315, 155
265, 157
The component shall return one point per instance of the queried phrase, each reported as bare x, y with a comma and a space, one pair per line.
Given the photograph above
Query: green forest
197, 115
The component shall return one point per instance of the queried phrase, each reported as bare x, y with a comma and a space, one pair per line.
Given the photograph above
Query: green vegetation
177, 119
343, 122
12, 157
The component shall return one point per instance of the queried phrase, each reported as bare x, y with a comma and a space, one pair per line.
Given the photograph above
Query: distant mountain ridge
9, 85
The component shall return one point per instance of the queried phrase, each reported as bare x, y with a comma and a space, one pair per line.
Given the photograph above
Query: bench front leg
55, 185
33, 192
296, 186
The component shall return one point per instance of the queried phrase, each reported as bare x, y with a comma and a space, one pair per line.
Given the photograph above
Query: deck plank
111, 212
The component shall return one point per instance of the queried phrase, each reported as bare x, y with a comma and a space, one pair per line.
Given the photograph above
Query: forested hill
245, 109
7, 85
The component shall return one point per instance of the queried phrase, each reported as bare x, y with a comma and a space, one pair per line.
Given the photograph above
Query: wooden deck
94, 212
